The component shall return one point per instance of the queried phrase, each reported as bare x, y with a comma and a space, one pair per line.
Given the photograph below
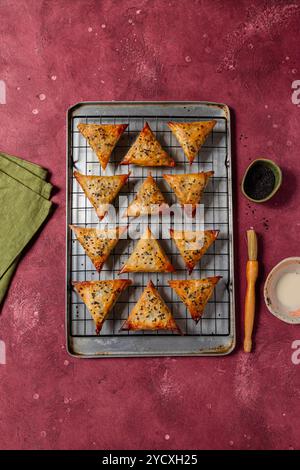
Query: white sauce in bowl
288, 290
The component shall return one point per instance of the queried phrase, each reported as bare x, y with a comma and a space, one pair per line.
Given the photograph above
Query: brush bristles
252, 245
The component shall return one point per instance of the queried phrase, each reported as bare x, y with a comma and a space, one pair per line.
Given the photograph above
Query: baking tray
215, 332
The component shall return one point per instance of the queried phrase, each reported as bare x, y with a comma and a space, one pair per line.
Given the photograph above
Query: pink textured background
226, 51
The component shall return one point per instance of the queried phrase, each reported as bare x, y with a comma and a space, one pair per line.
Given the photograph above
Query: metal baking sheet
215, 332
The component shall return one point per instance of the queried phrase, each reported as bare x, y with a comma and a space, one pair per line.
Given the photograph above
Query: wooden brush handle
251, 276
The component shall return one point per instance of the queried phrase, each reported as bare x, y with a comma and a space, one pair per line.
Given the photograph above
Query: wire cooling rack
216, 213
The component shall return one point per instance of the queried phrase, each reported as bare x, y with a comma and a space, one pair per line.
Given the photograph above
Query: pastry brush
251, 276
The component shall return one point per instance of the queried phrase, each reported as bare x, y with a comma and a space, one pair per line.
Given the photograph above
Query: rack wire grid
213, 156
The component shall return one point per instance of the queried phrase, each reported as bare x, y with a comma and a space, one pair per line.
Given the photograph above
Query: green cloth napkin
24, 206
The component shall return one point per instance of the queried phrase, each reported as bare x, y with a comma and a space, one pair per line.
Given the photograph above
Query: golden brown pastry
147, 257
102, 138
150, 313
147, 151
193, 244
100, 297
191, 135
189, 187
97, 243
195, 293
101, 190
148, 200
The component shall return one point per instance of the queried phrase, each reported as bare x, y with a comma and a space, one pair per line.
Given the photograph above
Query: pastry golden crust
101, 190
191, 135
150, 313
97, 243
147, 151
148, 200
100, 297
195, 293
193, 244
147, 257
102, 138
189, 187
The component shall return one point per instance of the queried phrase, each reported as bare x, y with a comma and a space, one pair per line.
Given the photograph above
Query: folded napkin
24, 206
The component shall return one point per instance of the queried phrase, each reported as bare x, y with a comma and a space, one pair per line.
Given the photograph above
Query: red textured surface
222, 51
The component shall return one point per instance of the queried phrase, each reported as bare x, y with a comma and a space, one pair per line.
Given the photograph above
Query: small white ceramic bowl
287, 265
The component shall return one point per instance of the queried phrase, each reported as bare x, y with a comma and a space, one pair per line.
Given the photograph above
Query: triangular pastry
102, 138
101, 190
100, 297
193, 244
195, 293
148, 200
98, 243
150, 313
191, 135
147, 151
147, 257
189, 187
